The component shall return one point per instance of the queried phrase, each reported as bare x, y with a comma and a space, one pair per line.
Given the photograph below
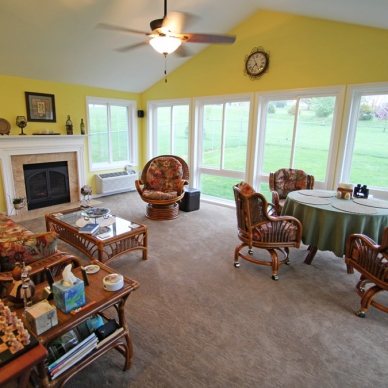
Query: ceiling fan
166, 35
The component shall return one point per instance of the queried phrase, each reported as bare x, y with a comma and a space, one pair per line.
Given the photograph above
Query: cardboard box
68, 298
42, 316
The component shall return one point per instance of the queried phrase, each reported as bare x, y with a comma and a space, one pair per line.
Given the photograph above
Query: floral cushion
246, 188
155, 194
288, 179
265, 232
27, 250
164, 174
19, 244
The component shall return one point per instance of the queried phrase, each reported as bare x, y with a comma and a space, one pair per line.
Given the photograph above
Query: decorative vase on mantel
69, 126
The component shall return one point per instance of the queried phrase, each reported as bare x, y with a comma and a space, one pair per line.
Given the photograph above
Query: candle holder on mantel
21, 122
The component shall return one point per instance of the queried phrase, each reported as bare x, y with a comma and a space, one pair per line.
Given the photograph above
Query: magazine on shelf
75, 358
91, 338
89, 228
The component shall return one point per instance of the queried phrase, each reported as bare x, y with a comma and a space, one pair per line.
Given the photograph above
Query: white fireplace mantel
37, 145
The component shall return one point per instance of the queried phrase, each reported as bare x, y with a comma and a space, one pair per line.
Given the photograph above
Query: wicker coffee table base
162, 212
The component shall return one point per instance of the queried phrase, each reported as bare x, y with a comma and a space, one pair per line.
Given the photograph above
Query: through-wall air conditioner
115, 182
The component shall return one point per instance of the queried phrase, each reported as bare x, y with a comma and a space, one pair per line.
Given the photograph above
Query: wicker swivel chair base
275, 263
162, 212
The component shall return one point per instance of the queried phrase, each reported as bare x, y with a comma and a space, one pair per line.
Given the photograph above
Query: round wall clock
256, 63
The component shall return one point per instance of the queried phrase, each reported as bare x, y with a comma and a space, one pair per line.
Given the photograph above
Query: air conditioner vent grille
113, 174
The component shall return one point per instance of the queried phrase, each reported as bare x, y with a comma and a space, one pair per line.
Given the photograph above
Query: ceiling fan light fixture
165, 44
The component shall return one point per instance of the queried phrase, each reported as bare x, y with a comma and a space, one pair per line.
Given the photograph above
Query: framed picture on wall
40, 107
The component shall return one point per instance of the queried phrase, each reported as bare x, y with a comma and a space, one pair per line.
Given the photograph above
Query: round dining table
328, 221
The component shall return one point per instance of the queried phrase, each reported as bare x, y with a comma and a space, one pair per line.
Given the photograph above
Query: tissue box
42, 316
69, 298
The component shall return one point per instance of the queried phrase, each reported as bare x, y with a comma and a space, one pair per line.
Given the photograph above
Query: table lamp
21, 122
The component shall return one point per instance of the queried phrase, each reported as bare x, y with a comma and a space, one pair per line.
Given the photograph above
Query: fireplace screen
47, 184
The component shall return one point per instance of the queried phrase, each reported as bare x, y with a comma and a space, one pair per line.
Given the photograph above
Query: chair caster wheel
360, 314
275, 277
250, 251
287, 262
237, 265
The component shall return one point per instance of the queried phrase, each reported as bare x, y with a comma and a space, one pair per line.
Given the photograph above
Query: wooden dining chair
285, 180
371, 260
260, 227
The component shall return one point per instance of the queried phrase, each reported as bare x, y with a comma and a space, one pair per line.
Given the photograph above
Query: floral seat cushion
155, 194
288, 180
164, 175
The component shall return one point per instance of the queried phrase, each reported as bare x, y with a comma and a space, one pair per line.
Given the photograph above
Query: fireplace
18, 151
47, 184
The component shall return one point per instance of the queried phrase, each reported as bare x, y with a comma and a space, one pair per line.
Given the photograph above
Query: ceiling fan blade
179, 21
111, 27
130, 47
207, 38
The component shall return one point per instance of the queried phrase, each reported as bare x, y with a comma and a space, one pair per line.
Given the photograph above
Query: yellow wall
304, 53
69, 100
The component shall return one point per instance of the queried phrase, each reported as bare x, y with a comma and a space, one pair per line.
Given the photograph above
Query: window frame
132, 133
152, 107
199, 104
261, 109
347, 141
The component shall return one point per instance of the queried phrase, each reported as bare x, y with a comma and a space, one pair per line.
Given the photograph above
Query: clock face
256, 63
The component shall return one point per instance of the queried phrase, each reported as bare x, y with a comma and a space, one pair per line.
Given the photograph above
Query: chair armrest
182, 183
56, 262
139, 189
276, 201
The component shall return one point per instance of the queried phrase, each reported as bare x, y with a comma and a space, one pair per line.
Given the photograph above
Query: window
296, 130
169, 128
222, 138
112, 133
366, 158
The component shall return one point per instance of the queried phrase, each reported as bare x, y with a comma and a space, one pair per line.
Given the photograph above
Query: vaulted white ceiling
56, 40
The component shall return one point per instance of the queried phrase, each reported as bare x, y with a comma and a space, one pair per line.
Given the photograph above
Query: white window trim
133, 132
352, 103
152, 107
262, 100
198, 104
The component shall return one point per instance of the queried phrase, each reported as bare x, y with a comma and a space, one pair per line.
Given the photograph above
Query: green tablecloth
327, 228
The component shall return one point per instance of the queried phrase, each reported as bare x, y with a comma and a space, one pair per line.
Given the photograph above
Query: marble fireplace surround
18, 150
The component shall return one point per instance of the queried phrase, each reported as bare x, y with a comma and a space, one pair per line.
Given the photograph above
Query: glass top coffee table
114, 236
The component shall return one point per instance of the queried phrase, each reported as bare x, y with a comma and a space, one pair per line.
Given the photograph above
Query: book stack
74, 355
89, 228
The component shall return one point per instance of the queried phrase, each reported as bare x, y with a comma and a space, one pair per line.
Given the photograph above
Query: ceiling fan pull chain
165, 68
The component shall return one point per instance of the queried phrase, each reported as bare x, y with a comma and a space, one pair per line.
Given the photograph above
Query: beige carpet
197, 321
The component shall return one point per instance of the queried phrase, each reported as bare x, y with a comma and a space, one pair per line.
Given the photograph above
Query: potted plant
18, 202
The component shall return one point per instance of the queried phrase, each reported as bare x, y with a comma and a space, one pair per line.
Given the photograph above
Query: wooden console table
103, 300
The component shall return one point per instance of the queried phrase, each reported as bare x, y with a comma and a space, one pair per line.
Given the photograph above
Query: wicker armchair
161, 186
257, 228
371, 260
286, 180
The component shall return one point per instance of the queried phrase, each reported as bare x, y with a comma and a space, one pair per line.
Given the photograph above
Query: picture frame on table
40, 107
